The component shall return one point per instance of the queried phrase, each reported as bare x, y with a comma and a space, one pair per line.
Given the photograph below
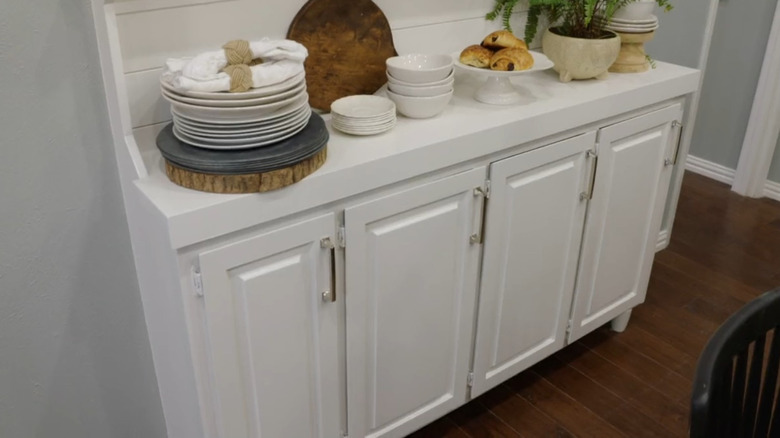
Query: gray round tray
284, 154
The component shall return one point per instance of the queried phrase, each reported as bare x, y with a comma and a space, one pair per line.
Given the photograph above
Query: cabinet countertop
467, 130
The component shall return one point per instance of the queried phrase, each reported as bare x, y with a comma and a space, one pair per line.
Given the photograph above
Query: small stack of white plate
363, 114
258, 117
623, 25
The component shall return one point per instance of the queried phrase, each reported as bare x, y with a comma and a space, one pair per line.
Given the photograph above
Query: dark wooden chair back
735, 392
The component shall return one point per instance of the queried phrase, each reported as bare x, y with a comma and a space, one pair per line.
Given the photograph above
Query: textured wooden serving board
247, 183
348, 43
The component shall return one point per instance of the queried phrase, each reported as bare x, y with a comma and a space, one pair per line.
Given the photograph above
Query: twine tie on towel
239, 59
240, 78
238, 52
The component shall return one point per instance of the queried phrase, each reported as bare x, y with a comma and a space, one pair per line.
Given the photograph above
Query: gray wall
734, 65
74, 356
680, 37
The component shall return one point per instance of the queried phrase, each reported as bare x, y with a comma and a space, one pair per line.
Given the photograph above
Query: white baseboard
772, 190
710, 169
726, 175
663, 240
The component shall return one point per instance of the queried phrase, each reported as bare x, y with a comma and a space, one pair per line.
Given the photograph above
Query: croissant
503, 39
511, 60
476, 56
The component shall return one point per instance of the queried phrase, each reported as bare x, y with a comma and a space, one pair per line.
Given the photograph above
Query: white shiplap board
152, 31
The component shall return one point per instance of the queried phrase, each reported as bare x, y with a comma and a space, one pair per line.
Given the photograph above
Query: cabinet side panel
166, 322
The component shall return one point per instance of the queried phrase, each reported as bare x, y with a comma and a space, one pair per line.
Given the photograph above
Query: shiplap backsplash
150, 31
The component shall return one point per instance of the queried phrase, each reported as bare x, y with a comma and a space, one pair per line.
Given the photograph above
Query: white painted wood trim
710, 169
763, 129
663, 240
129, 7
724, 174
772, 190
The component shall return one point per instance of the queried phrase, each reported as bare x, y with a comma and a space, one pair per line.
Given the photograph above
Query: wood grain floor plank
603, 402
442, 428
521, 415
641, 394
573, 415
631, 360
478, 422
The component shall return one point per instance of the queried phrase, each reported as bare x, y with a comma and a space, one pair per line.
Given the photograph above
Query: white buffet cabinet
413, 272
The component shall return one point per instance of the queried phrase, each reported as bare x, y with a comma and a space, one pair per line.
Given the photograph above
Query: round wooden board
348, 42
246, 183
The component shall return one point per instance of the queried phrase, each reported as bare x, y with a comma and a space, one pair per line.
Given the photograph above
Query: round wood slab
348, 42
247, 183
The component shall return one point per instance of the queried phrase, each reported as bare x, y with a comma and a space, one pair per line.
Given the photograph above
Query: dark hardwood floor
725, 250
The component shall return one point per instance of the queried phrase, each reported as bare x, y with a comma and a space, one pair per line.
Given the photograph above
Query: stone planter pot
579, 58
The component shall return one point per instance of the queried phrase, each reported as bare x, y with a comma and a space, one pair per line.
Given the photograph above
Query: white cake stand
497, 89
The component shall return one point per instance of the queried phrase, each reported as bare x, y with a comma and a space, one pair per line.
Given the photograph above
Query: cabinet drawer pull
328, 297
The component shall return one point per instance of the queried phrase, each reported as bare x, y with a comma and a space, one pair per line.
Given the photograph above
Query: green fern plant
575, 18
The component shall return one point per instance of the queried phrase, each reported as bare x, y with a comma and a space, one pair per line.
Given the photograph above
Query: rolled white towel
282, 59
262, 75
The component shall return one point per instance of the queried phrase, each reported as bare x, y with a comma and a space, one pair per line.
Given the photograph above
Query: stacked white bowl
635, 17
420, 85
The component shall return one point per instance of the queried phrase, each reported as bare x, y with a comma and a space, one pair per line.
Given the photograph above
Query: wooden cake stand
632, 57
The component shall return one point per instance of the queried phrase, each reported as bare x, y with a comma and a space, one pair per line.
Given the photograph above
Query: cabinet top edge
466, 131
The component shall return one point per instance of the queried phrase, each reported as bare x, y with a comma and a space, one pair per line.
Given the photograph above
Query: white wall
74, 356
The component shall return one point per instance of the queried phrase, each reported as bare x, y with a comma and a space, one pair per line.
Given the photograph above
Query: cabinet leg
620, 323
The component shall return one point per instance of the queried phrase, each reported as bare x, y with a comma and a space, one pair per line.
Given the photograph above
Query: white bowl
420, 68
640, 10
420, 107
429, 91
449, 80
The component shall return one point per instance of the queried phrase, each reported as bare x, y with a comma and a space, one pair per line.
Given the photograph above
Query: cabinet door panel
624, 218
534, 227
411, 285
273, 340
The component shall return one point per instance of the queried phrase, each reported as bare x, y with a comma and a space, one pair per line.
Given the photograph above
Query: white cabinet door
624, 217
535, 217
411, 290
272, 337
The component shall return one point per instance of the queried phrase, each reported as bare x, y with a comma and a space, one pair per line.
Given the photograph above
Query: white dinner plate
245, 116
251, 94
168, 95
237, 127
243, 144
242, 133
541, 62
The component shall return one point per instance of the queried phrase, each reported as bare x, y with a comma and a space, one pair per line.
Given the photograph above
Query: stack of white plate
624, 25
259, 117
363, 114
